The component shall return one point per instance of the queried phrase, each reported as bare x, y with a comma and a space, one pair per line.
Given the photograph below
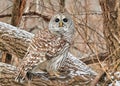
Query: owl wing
44, 46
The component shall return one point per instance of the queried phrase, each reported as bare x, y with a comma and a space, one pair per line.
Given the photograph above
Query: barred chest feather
44, 46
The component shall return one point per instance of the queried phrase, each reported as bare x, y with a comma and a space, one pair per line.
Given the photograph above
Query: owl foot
56, 75
19, 79
29, 75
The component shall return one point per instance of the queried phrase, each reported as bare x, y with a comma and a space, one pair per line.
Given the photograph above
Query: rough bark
14, 40
81, 77
18, 9
8, 74
62, 5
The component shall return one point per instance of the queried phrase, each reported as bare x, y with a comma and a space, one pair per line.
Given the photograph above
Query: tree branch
82, 74
31, 13
14, 40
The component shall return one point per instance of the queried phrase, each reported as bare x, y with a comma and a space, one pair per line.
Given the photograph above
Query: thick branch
14, 40
95, 58
80, 72
46, 18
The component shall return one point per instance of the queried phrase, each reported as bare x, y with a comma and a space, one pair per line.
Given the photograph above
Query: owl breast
44, 46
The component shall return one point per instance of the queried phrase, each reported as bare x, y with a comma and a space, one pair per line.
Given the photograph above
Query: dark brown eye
57, 20
65, 19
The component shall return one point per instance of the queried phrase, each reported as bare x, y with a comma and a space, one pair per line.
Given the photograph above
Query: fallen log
82, 75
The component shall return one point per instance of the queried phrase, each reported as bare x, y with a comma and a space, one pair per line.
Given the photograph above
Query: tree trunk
18, 9
62, 6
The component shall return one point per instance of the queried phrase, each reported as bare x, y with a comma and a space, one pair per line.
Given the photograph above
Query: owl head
62, 25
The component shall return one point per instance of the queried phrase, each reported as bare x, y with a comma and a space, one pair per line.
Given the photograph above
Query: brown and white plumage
49, 46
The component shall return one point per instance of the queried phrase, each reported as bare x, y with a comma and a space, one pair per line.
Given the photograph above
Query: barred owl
49, 47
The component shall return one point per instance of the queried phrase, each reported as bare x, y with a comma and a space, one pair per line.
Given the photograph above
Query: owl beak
60, 24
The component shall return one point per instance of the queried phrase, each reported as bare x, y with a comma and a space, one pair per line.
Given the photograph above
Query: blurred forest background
97, 24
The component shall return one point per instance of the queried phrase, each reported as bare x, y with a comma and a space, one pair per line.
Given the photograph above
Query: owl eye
57, 20
65, 19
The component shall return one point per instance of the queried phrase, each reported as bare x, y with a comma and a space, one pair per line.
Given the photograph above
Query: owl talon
59, 76
56, 75
19, 79
29, 75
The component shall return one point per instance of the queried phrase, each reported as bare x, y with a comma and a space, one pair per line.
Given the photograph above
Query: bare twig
97, 78
46, 18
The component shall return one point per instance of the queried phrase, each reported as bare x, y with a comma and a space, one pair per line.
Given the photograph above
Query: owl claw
56, 75
19, 79
29, 75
